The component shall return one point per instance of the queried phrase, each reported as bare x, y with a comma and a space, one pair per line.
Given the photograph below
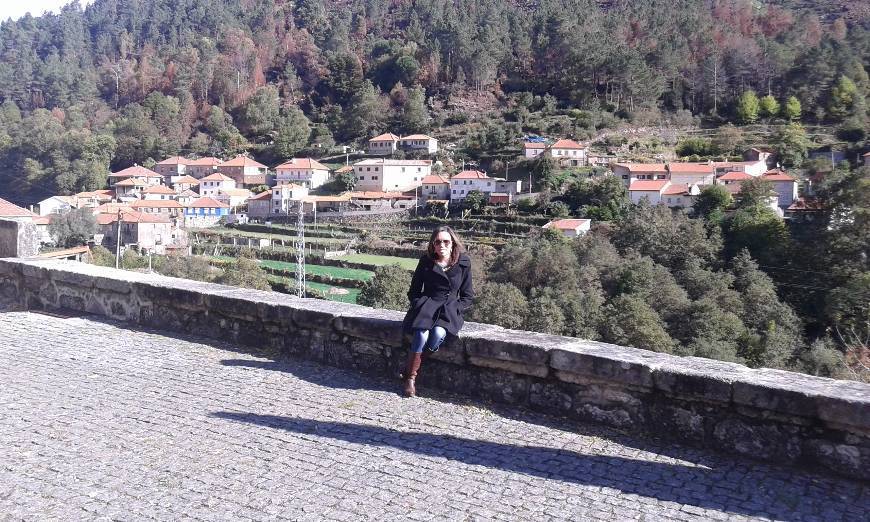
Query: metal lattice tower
300, 252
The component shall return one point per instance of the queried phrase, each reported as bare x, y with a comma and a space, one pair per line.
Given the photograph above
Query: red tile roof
132, 182
242, 161
735, 176
9, 209
346, 168
567, 144
207, 203
208, 161
676, 189
644, 167
777, 175
158, 189
136, 171
435, 179
691, 168
131, 216
387, 136
643, 185
566, 224
190, 180
806, 205
174, 160
302, 163
217, 176
471, 174
267, 194
156, 203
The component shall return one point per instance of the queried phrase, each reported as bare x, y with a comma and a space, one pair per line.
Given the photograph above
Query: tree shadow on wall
748, 494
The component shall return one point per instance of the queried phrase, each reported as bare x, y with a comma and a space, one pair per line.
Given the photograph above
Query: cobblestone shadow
683, 484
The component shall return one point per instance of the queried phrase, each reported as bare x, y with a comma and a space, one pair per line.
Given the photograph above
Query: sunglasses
441, 242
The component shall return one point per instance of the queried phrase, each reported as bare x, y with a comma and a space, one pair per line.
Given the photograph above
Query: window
368, 169
362, 178
403, 170
454, 191
374, 178
419, 169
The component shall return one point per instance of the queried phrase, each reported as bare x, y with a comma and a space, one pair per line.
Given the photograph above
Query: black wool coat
439, 297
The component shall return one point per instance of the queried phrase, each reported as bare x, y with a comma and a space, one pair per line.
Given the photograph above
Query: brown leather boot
410, 375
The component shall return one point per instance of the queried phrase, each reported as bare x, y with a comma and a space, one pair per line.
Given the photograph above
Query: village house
147, 232
165, 207
187, 197
245, 171
129, 189
260, 205
11, 211
285, 198
381, 175
785, 186
57, 205
664, 192
158, 193
692, 173
568, 153
234, 197
171, 167
469, 180
419, 142
313, 204
136, 172
732, 180
385, 144
302, 171
533, 149
435, 186
753, 168
205, 212
94, 198
211, 185
570, 227
202, 167
182, 183
631, 172
381, 200
866, 157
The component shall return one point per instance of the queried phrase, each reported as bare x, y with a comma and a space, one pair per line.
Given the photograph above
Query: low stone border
766, 414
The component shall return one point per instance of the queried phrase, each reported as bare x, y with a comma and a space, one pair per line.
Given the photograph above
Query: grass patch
371, 259
332, 271
349, 297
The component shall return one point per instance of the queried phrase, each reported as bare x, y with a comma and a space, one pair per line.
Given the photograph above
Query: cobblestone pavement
103, 422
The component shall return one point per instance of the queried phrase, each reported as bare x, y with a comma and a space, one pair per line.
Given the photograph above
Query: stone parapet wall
766, 414
18, 238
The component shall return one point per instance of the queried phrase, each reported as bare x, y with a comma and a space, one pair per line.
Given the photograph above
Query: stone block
449, 352
10, 267
71, 302
276, 313
584, 360
757, 439
550, 397
847, 403
529, 348
503, 386
781, 391
380, 325
233, 303
169, 295
316, 314
66, 277
698, 379
538, 370
119, 286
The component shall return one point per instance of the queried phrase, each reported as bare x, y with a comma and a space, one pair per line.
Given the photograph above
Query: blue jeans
430, 339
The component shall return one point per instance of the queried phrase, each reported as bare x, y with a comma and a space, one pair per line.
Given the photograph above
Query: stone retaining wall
766, 414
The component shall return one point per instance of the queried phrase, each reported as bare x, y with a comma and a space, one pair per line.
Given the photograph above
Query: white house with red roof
183, 183
158, 193
172, 167
664, 192
469, 180
187, 197
435, 186
136, 172
785, 186
568, 153
302, 171
866, 157
57, 205
130, 189
260, 205
202, 167
11, 211
382, 174
631, 172
732, 180
570, 227
211, 185
245, 171
692, 173
753, 168
234, 197
419, 142
533, 149
146, 231
204, 212
166, 207
385, 144
284, 199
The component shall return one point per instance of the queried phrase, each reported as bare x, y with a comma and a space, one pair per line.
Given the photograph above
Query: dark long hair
458, 247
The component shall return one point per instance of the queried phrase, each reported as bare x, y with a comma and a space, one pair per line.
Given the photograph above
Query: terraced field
371, 259
332, 271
